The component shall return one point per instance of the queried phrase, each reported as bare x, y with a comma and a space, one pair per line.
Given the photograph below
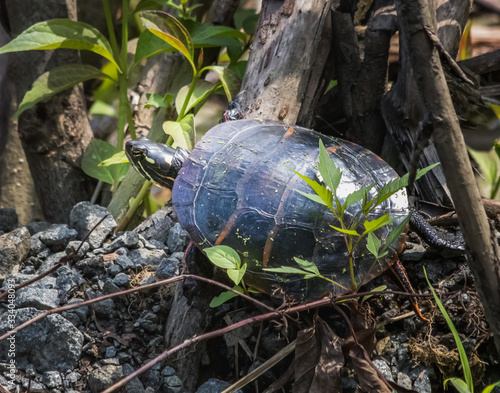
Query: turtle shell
237, 188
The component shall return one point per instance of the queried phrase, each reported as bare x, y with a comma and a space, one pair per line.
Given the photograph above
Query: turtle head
155, 161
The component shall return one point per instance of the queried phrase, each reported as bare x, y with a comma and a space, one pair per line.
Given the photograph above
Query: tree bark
417, 25
283, 80
55, 133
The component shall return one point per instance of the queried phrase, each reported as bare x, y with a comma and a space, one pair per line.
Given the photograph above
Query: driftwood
417, 26
284, 77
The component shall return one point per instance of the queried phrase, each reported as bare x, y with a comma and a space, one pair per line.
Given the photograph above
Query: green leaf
319, 189
423, 171
377, 289
377, 223
313, 197
201, 92
391, 188
148, 4
61, 33
209, 36
171, 31
469, 383
285, 269
307, 266
229, 80
357, 195
237, 274
329, 172
98, 151
102, 108
224, 297
223, 256
156, 101
396, 232
458, 384
487, 162
182, 132
346, 231
117, 158
55, 81
373, 244
246, 20
239, 68
489, 388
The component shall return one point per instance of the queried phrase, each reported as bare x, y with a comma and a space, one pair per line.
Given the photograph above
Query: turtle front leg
233, 111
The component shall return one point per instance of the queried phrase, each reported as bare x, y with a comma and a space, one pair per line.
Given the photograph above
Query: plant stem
195, 79
137, 202
111, 31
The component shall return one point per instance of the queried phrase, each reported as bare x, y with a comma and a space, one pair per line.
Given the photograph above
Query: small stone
149, 322
414, 254
39, 298
214, 386
157, 226
153, 379
121, 279
57, 236
110, 352
109, 288
37, 226
14, 249
179, 255
177, 238
384, 368
168, 268
127, 239
103, 377
37, 247
144, 257
72, 377
105, 308
91, 267
172, 384
422, 382
135, 385
124, 262
68, 280
85, 216
77, 244
167, 371
148, 279
404, 380
113, 270
52, 379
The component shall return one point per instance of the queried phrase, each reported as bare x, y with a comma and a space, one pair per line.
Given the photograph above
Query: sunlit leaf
237, 274
351, 232
61, 33
229, 80
396, 232
458, 384
284, 269
489, 388
373, 244
156, 101
102, 108
313, 197
97, 152
201, 92
223, 256
181, 131
357, 195
55, 81
171, 31
306, 265
321, 190
117, 158
328, 170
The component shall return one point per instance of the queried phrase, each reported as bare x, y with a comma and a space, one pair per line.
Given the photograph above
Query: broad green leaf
373, 244
102, 108
117, 158
208, 36
321, 190
377, 223
156, 101
461, 351
55, 81
306, 265
201, 92
329, 172
182, 131
98, 151
239, 68
224, 297
313, 197
489, 388
171, 31
148, 4
229, 80
458, 384
223, 256
396, 233
61, 33
351, 232
237, 274
391, 188
357, 195
246, 20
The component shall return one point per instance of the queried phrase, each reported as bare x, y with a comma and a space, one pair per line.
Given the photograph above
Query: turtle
239, 187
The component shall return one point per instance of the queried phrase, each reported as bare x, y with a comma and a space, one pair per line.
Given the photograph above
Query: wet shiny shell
237, 189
